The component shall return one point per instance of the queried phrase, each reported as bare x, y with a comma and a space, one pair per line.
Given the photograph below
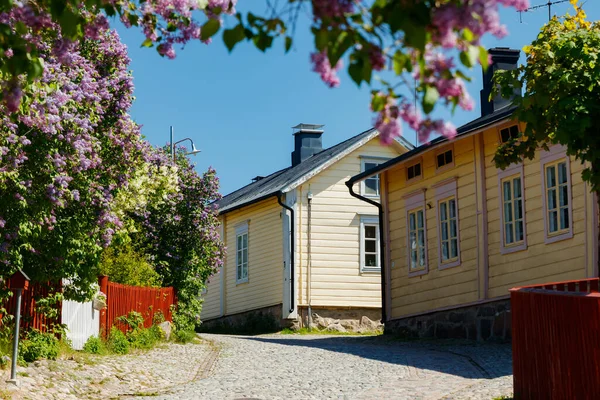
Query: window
448, 229
512, 209
416, 233
241, 254
556, 185
509, 133
370, 186
413, 171
369, 244
444, 158
557, 197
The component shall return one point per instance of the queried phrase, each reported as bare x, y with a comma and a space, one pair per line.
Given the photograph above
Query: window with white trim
445, 158
511, 206
446, 197
369, 244
557, 197
416, 233
513, 210
241, 253
448, 226
370, 186
416, 239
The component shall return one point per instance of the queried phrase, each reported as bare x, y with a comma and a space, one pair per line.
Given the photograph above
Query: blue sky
239, 107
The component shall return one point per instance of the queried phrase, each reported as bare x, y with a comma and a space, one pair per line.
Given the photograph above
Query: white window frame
369, 220
242, 230
363, 188
444, 191
512, 172
414, 202
554, 156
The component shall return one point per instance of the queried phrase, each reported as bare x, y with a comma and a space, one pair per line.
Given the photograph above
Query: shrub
144, 338
38, 345
184, 336
125, 265
134, 320
117, 341
94, 345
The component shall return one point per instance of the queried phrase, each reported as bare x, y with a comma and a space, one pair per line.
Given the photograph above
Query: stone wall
340, 319
482, 322
262, 320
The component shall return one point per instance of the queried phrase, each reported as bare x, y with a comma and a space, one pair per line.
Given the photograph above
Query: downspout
350, 184
292, 248
309, 197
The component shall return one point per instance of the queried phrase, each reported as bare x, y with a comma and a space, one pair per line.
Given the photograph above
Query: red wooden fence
556, 340
30, 319
121, 299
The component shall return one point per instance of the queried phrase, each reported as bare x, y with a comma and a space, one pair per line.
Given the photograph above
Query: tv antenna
549, 4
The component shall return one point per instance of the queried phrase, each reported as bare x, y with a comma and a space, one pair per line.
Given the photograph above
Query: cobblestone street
350, 367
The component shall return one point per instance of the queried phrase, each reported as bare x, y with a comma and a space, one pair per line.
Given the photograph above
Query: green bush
94, 345
117, 341
144, 338
38, 345
184, 336
124, 265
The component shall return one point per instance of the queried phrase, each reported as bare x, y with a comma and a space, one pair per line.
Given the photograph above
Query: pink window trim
414, 201
555, 153
513, 169
445, 189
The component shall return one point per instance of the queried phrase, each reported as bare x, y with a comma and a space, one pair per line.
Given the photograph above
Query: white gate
82, 322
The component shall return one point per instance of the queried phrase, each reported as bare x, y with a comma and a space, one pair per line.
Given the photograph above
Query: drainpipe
292, 250
350, 185
309, 197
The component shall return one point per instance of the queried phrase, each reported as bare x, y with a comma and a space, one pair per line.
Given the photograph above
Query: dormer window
509, 133
445, 158
413, 171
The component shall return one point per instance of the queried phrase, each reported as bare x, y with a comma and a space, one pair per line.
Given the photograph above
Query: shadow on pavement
460, 358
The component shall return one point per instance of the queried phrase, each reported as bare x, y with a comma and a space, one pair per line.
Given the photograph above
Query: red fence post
103, 283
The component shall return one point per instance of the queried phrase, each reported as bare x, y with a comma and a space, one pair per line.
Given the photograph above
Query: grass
503, 398
5, 394
307, 331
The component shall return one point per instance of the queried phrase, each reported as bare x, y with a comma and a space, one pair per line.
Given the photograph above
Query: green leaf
469, 57
262, 41
483, 58
429, 99
340, 46
233, 36
209, 29
147, 43
355, 70
400, 62
467, 34
288, 43
321, 39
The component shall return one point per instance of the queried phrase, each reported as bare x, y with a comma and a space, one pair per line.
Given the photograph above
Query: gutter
350, 185
292, 250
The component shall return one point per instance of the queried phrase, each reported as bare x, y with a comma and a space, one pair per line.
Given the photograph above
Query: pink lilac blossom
323, 68
332, 9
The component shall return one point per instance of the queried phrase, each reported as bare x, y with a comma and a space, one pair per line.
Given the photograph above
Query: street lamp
194, 149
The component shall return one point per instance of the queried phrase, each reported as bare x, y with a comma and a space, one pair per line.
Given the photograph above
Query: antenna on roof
549, 4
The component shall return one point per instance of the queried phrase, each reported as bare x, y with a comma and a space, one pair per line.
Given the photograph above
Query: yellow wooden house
298, 243
459, 232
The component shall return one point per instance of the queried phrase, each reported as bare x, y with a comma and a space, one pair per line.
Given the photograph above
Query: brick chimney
307, 141
503, 58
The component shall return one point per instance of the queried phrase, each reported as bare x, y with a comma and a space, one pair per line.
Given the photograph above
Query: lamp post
18, 282
194, 149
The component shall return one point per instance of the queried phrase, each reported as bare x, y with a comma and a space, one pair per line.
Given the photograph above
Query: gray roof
465, 129
281, 180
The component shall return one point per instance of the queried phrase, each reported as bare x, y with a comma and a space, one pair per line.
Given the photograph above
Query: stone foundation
262, 320
482, 322
338, 319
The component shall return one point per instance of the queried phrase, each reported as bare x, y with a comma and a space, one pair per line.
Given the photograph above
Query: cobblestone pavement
350, 367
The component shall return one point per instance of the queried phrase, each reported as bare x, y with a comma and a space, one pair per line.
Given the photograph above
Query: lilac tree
412, 39
180, 236
63, 158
